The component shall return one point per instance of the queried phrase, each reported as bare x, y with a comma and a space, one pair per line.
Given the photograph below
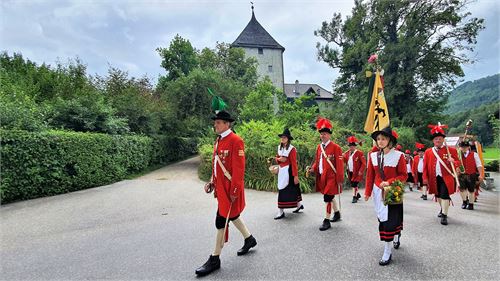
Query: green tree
231, 62
258, 104
421, 45
179, 58
134, 100
188, 101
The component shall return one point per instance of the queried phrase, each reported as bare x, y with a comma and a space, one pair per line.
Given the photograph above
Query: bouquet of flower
393, 194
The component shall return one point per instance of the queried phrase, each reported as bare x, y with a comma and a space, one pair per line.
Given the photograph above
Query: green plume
217, 103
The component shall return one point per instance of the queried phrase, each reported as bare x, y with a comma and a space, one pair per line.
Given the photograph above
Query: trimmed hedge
54, 162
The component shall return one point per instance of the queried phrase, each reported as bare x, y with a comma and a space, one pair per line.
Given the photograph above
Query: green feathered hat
218, 106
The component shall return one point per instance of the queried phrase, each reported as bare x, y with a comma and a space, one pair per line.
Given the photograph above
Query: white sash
441, 161
217, 159
327, 159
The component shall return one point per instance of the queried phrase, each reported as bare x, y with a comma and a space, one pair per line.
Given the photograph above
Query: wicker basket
274, 169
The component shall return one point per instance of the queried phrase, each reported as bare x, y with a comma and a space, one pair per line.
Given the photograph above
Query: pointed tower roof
255, 36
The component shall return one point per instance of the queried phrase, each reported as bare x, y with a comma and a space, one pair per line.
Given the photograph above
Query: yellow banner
378, 113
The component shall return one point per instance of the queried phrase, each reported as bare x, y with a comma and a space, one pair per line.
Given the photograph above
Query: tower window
261, 51
270, 68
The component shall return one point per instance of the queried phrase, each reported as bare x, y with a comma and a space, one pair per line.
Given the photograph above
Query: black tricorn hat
286, 133
464, 143
223, 115
388, 132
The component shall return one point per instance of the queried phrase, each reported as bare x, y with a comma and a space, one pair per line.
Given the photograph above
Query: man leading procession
227, 183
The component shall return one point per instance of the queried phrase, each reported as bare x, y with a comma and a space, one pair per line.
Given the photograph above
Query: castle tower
258, 43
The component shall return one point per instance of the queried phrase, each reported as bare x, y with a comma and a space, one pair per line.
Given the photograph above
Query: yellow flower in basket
394, 193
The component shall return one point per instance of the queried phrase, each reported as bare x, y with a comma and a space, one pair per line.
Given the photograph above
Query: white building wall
270, 57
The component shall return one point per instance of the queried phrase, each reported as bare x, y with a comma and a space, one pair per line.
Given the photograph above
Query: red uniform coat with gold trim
430, 161
394, 169
414, 168
359, 165
328, 182
231, 151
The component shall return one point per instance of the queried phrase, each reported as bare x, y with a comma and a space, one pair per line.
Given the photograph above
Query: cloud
126, 34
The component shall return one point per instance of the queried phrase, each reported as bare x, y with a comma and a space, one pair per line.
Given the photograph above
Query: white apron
391, 159
381, 209
283, 176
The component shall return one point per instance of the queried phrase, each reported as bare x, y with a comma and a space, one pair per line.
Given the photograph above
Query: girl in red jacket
384, 167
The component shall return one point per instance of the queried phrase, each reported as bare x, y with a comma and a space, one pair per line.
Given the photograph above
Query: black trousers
442, 190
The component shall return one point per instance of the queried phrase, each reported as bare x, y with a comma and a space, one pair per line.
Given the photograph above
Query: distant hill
473, 94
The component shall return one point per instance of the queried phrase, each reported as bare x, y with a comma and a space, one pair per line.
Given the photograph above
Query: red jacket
359, 165
328, 182
414, 168
394, 169
231, 151
430, 162
290, 160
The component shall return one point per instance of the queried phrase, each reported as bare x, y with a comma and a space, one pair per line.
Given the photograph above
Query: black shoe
464, 204
383, 262
397, 244
212, 264
411, 188
440, 213
424, 197
250, 242
475, 200
444, 219
336, 216
354, 199
326, 225
298, 209
280, 216
358, 195
471, 206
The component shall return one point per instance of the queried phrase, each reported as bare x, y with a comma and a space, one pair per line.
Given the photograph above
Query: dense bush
54, 162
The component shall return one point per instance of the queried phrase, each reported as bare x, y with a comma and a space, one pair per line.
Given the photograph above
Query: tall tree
421, 45
231, 62
179, 58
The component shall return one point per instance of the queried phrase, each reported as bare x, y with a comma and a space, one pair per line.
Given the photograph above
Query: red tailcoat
359, 165
394, 169
328, 182
231, 151
414, 168
430, 163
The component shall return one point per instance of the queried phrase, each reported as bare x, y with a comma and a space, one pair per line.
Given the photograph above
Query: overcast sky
125, 34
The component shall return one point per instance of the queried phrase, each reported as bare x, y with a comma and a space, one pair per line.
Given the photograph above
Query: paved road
160, 227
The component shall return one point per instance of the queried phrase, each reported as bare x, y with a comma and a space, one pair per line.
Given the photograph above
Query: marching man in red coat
418, 169
355, 163
329, 170
440, 163
227, 182
409, 168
